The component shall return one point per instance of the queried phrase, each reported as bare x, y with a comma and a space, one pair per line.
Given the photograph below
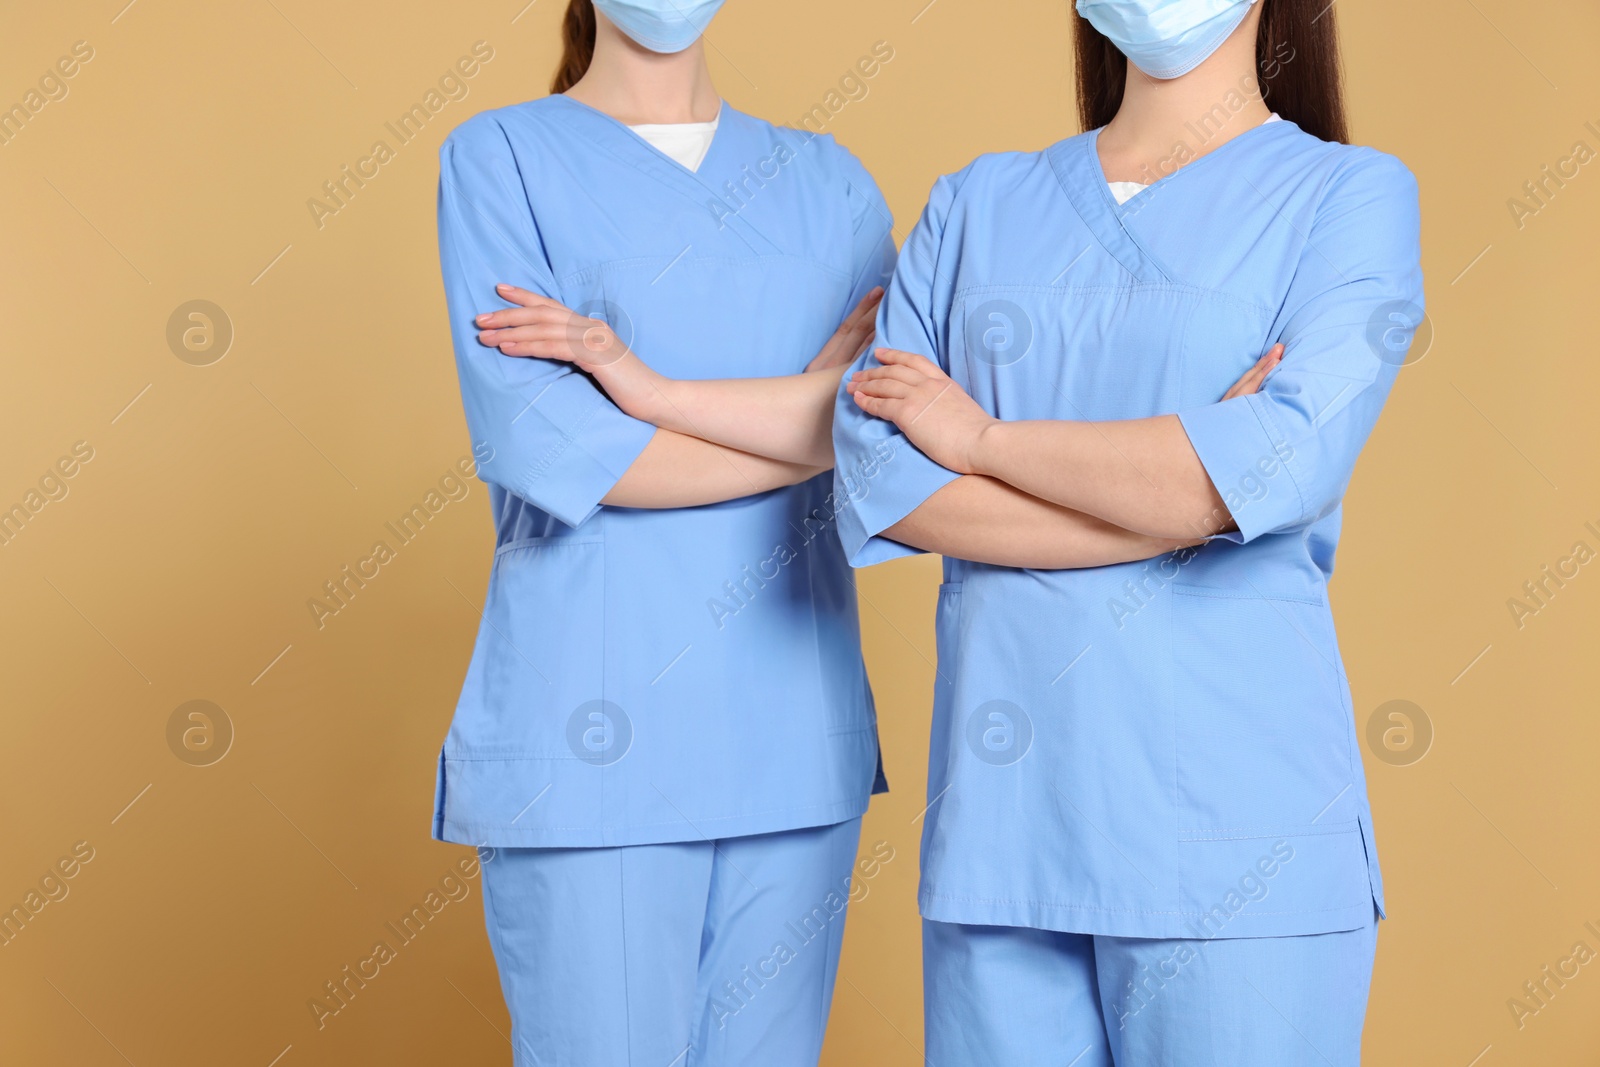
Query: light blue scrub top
1162, 748
645, 676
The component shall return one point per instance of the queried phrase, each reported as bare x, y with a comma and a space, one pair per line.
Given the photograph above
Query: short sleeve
1281, 458
556, 440
879, 476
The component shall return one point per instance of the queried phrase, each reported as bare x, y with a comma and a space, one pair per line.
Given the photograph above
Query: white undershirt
686, 142
1125, 191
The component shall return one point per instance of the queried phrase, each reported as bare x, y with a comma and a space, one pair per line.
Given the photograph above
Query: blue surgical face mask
1166, 38
661, 25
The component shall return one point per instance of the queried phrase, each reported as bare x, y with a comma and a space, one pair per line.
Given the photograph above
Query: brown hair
1297, 69
577, 45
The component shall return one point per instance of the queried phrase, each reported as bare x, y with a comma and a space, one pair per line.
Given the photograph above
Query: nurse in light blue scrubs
1149, 840
665, 740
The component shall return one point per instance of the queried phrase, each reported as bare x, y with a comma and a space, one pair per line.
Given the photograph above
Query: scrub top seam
680, 822
520, 757
555, 541
582, 274
843, 731
1120, 911
1252, 833
1169, 285
1214, 593
827, 805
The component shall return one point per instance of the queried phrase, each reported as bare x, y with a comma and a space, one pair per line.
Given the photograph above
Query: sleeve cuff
1249, 461
879, 492
595, 444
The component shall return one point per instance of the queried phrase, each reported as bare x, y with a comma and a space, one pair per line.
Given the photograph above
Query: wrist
663, 400
987, 446
632, 385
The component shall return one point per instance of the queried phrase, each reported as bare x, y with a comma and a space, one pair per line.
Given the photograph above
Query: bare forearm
987, 521
1139, 474
680, 471
788, 418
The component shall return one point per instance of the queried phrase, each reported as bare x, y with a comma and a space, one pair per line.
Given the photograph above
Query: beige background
178, 566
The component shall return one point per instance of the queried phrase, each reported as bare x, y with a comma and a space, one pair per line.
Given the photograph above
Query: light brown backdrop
219, 498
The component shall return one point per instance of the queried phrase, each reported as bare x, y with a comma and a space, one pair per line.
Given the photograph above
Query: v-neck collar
1076, 162
654, 133
658, 157
1222, 149
627, 147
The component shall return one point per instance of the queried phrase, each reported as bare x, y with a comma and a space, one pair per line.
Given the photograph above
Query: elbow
1192, 517
913, 534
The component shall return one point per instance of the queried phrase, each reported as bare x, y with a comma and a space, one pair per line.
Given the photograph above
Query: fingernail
504, 288
482, 320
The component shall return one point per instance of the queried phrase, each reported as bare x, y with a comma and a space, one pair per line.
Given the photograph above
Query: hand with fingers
1257, 374
934, 413
541, 328
938, 416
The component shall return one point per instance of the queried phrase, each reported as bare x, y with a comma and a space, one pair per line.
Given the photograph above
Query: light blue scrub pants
1015, 997
693, 954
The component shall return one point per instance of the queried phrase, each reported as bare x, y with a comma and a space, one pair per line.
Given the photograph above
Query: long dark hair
577, 45
1297, 68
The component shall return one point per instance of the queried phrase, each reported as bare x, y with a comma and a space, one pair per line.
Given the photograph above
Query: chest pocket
1101, 352
700, 317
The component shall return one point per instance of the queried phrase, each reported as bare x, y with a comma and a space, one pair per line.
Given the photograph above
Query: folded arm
987, 521
787, 418
679, 471
1140, 475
